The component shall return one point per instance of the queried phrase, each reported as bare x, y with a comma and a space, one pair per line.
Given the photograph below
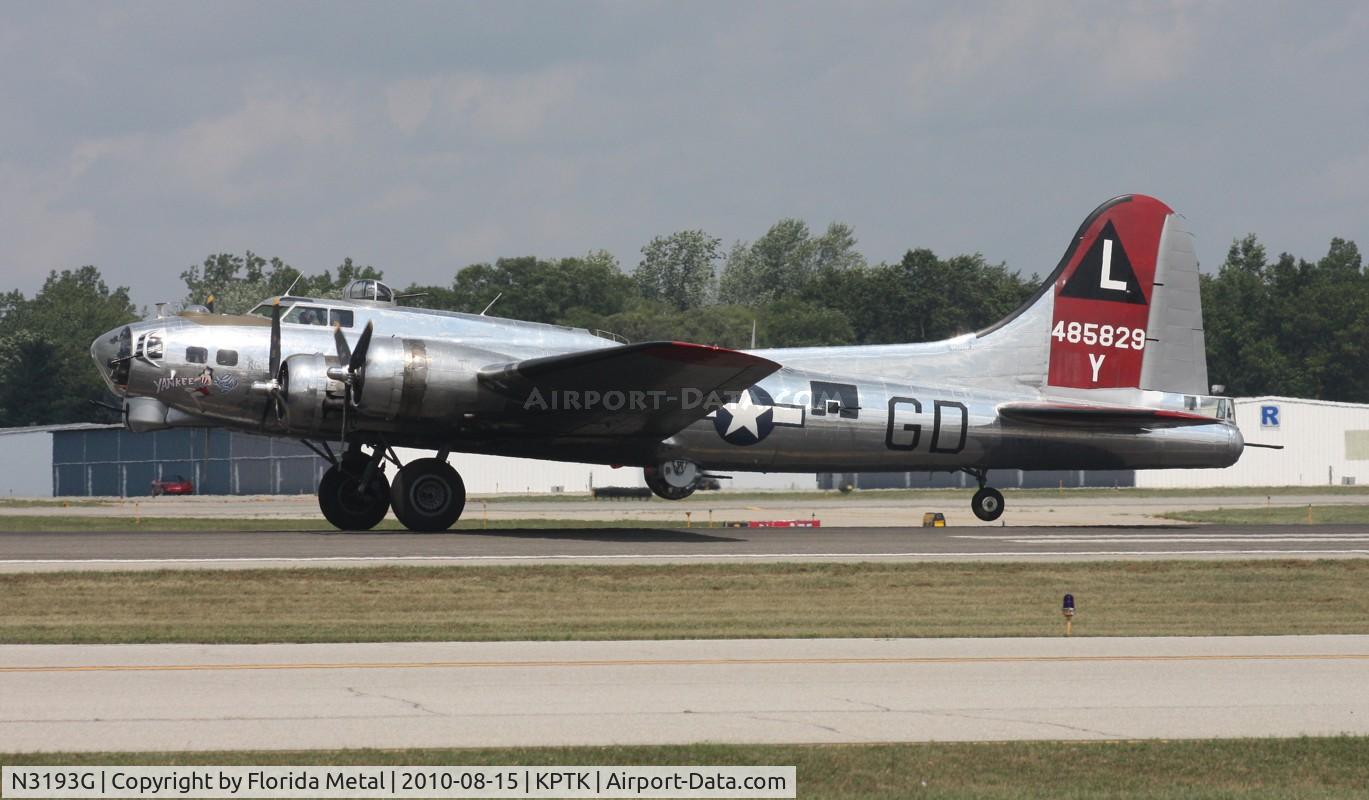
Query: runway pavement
47, 551
198, 697
875, 508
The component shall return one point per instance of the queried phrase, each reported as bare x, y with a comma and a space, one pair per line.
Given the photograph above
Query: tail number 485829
1092, 333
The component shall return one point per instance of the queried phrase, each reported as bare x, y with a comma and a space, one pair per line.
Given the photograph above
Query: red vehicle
174, 484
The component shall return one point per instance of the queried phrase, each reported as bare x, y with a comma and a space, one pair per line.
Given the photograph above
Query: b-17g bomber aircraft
1102, 368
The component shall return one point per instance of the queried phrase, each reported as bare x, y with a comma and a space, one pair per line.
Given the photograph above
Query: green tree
563, 291
792, 322
1289, 326
237, 283
33, 391
679, 270
836, 249
770, 267
785, 259
921, 298
46, 375
721, 326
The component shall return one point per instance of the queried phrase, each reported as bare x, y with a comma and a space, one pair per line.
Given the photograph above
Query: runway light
1067, 608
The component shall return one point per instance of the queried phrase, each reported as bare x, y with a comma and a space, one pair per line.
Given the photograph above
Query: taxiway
287, 696
48, 551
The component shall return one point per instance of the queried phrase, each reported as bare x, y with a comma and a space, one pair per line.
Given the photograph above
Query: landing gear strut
987, 503
354, 494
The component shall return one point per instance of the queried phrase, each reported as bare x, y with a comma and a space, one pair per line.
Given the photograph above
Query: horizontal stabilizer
653, 389
1092, 416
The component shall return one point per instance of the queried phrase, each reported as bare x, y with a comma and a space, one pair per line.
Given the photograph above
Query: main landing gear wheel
987, 504
428, 495
672, 480
349, 505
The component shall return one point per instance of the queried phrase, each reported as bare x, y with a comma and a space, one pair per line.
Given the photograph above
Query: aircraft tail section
1122, 309
1120, 313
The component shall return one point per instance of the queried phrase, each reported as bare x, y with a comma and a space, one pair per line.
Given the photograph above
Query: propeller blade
275, 339
344, 353
358, 359
209, 303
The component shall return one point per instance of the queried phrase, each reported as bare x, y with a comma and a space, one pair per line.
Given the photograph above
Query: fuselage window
153, 347
307, 315
227, 358
196, 355
835, 399
343, 318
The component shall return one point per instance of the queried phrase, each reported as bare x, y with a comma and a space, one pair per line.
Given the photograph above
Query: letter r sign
1269, 416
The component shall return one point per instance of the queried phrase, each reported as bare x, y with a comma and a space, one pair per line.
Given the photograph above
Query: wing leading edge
652, 389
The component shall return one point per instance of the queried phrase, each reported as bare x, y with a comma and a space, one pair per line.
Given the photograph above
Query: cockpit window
307, 315
341, 317
263, 310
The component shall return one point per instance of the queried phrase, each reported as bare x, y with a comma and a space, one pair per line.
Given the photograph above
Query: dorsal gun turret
368, 290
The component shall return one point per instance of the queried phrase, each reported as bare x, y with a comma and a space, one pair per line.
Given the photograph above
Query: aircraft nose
104, 351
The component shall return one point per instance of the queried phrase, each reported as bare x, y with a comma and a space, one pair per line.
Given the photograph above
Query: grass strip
127, 524
54, 502
564, 602
1278, 515
1299, 768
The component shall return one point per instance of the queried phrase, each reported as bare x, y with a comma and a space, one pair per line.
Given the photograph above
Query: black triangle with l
1105, 273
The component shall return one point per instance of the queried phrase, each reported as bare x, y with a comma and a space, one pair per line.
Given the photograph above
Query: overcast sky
422, 138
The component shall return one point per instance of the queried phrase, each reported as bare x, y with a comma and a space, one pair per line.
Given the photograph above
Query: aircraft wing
1092, 416
652, 389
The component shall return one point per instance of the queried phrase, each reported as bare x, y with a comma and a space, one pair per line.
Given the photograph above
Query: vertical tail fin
1126, 309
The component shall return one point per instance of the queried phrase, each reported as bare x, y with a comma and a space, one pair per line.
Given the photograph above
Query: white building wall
1324, 443
770, 481
484, 474
26, 469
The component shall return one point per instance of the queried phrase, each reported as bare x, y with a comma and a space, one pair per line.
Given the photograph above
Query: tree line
1274, 326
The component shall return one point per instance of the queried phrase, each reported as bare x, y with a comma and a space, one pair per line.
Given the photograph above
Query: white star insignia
745, 416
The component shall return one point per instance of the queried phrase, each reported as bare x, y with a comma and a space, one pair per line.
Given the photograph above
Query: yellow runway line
686, 662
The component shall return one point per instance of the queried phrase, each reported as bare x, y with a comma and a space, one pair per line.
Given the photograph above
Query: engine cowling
308, 391
417, 379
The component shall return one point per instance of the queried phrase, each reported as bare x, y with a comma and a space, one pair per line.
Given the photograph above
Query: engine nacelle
308, 391
417, 379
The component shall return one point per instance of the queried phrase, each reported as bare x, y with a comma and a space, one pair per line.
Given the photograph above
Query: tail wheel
349, 506
428, 495
987, 504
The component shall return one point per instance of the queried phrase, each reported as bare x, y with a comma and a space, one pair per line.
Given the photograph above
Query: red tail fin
1103, 295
